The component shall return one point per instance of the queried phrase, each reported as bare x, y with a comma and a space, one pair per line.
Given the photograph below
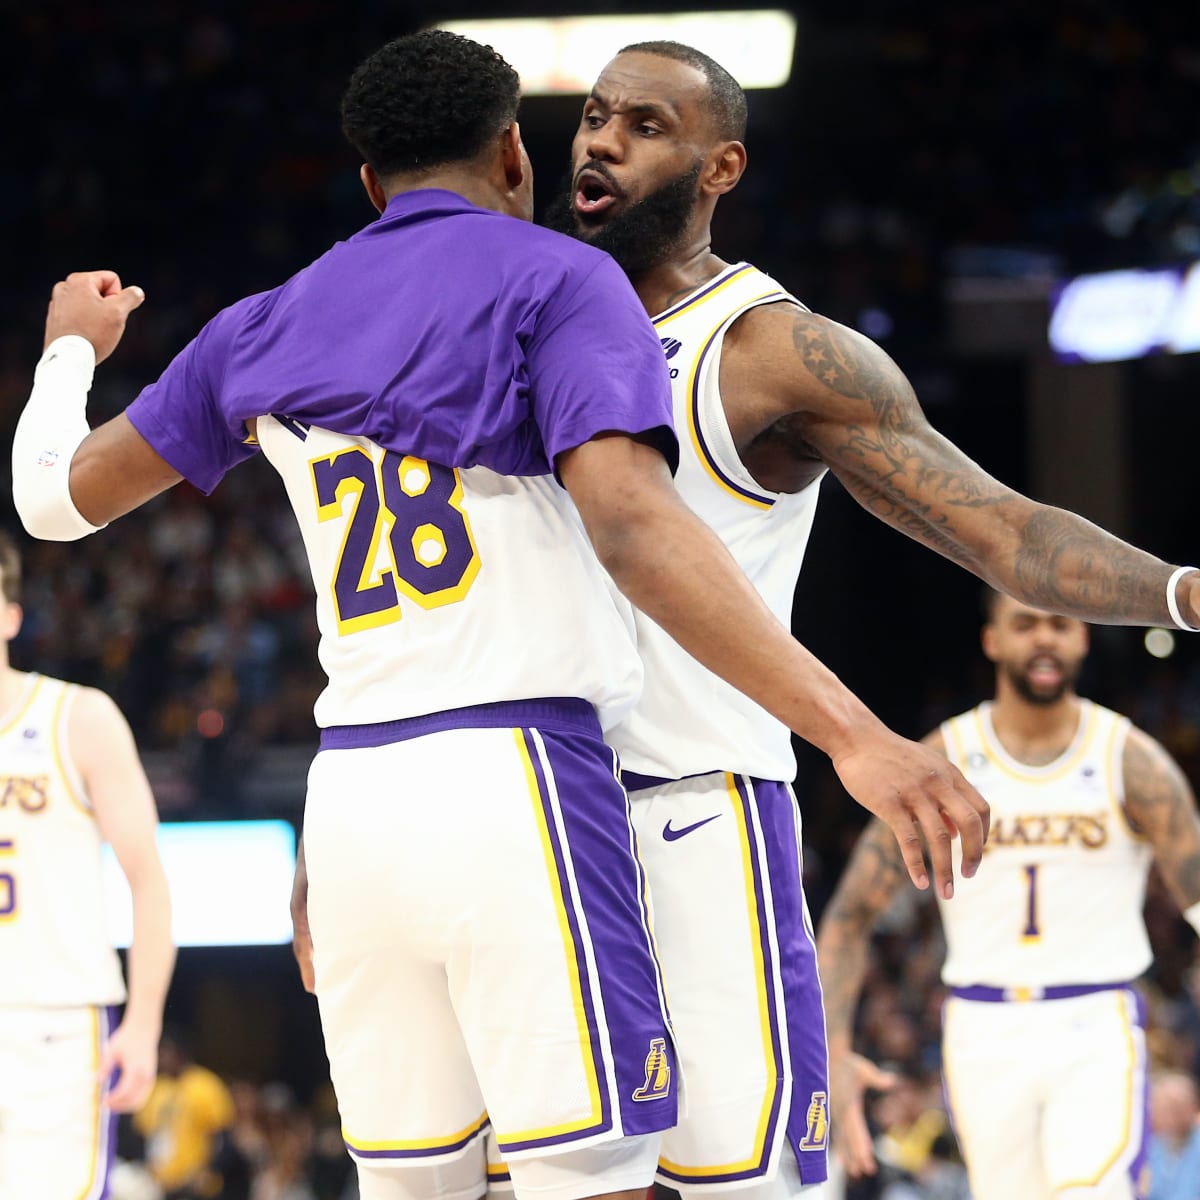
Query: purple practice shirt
442, 330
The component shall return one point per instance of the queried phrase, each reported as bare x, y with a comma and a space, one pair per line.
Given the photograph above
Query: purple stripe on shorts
106, 1142
595, 818
1137, 1168
420, 1152
796, 961
561, 713
808, 1115
585, 981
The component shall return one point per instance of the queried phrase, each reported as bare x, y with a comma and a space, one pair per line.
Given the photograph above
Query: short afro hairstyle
428, 99
726, 99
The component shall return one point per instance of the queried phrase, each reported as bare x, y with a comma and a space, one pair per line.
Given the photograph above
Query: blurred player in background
187, 1124
70, 780
1044, 1051
767, 396
477, 907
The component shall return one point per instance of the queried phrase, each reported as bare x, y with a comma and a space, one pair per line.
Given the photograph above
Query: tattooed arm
1160, 806
832, 393
872, 878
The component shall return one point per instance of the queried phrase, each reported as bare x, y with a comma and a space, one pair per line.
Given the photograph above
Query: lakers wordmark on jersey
1058, 897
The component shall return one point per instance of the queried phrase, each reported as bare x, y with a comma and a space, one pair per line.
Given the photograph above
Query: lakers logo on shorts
816, 1137
658, 1072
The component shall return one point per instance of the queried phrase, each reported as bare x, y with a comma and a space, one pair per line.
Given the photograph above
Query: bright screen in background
563, 55
230, 882
1121, 315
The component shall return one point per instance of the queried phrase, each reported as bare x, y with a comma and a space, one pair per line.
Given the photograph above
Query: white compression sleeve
48, 433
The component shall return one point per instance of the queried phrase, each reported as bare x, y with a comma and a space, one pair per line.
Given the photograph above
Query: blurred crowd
196, 149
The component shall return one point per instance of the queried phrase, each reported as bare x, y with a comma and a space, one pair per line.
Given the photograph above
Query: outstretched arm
1161, 807
872, 878
679, 573
838, 394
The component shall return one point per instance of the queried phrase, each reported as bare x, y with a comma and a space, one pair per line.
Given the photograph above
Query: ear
513, 157
11, 616
988, 641
373, 187
724, 169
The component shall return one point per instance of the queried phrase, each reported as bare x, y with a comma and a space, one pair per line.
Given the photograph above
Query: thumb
874, 1077
129, 298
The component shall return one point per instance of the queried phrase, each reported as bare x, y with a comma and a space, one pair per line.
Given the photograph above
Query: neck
686, 270
470, 185
1034, 731
12, 684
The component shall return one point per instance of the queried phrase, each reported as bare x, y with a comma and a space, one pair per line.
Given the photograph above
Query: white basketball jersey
440, 588
689, 721
1058, 897
54, 942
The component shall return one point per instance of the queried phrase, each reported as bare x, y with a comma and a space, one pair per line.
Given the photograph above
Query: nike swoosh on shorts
671, 835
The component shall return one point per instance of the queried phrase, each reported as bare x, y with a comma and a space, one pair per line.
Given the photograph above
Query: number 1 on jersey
1031, 932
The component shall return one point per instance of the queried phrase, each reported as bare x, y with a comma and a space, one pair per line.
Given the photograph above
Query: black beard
641, 237
1026, 691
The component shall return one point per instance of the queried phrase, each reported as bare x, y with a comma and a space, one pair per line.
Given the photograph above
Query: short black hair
726, 99
428, 99
989, 603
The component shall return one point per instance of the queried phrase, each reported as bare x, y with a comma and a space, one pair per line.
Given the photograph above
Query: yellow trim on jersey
1052, 772
688, 305
60, 758
764, 1011
1123, 1000
433, 1145
573, 975
701, 453
24, 706
96, 1102
955, 749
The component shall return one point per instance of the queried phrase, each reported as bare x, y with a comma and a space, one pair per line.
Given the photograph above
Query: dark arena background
931, 174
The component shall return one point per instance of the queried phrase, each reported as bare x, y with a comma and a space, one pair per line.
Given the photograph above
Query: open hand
94, 305
850, 1077
918, 794
132, 1051
302, 946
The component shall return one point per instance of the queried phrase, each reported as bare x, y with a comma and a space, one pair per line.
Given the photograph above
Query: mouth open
594, 196
1044, 671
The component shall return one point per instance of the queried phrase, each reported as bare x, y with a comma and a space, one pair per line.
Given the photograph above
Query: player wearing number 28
1043, 1043
70, 779
477, 910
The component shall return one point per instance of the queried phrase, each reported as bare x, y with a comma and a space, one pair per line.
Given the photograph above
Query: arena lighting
230, 883
561, 56
1119, 315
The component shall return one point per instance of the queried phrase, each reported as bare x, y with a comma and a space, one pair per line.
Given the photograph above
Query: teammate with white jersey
1044, 1052
767, 395
70, 780
481, 950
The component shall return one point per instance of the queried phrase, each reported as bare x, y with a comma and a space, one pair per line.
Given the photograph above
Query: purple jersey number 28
417, 506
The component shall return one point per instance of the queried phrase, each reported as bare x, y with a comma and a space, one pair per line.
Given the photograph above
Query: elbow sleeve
49, 431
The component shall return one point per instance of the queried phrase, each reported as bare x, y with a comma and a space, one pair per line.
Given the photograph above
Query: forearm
49, 431
152, 952
1064, 563
842, 957
678, 573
